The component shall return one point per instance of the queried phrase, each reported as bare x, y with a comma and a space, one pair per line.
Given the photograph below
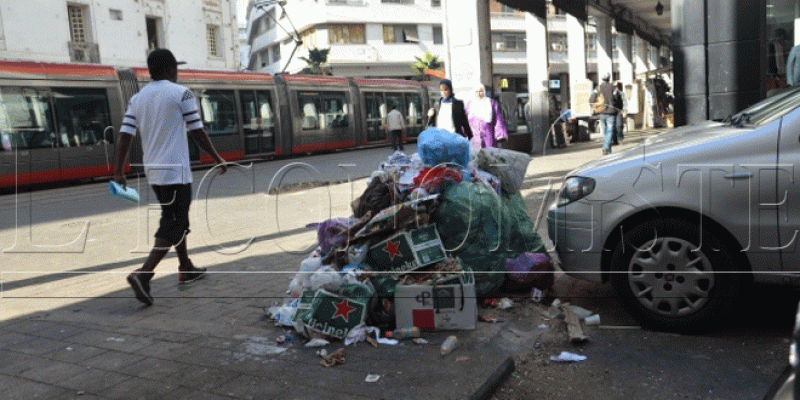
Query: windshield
769, 109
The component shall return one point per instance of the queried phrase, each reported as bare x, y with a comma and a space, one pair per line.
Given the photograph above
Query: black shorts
174, 200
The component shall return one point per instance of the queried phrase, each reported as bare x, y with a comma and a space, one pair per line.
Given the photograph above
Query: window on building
437, 35
275, 54
400, 34
508, 42
212, 39
309, 38
436, 3
78, 29
346, 34
263, 58
115, 14
398, 1
154, 29
558, 42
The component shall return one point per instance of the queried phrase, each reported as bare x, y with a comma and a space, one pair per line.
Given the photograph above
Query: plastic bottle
407, 332
449, 344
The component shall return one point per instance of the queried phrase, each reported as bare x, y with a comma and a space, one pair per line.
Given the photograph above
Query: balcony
84, 52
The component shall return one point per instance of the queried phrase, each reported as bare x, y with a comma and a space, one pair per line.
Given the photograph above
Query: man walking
601, 100
161, 113
396, 127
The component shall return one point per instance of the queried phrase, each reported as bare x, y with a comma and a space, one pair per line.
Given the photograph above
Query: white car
681, 224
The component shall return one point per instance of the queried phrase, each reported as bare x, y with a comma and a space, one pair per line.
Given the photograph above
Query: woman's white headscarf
481, 107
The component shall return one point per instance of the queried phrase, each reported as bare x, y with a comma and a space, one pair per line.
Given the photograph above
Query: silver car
681, 224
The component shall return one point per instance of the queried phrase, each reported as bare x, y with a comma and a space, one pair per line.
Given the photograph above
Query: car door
788, 194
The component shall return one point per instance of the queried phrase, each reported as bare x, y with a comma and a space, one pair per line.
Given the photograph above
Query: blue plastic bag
436, 146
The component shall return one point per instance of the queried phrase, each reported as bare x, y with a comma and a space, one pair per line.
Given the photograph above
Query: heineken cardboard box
407, 251
450, 306
330, 314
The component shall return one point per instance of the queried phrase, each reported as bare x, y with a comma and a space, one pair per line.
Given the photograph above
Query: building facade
381, 38
204, 33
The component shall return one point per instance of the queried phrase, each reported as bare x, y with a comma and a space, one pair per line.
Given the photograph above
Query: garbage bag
438, 146
437, 179
529, 270
331, 233
507, 165
485, 229
376, 197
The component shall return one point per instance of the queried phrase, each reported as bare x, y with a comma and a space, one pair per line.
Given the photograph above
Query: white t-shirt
444, 120
394, 120
161, 112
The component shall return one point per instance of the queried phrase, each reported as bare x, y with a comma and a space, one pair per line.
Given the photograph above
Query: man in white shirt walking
396, 127
161, 113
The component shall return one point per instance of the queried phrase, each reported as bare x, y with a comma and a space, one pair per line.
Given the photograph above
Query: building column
538, 79
605, 46
624, 58
642, 63
468, 58
576, 54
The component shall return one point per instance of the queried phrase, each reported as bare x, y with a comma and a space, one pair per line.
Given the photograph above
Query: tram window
82, 116
309, 119
259, 121
396, 100
219, 112
333, 113
25, 119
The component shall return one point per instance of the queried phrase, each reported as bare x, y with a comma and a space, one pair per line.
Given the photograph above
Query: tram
59, 122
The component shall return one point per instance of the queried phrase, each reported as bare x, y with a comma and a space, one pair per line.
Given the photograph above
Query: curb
487, 389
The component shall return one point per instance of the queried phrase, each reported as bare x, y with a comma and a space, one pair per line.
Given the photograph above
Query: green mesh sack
484, 229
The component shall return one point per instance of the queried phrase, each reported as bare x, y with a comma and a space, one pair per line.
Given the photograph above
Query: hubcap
669, 276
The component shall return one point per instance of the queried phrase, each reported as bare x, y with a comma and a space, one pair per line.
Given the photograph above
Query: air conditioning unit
500, 46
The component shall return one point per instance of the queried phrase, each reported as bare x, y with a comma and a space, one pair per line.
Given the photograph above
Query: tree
316, 58
427, 61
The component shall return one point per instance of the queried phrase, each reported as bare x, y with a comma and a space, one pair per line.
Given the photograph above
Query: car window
769, 109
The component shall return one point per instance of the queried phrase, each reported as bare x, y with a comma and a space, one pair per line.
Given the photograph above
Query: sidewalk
70, 327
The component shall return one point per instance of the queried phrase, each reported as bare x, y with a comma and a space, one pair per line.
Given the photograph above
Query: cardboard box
451, 306
330, 314
407, 251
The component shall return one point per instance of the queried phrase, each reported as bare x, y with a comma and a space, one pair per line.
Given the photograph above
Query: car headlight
574, 189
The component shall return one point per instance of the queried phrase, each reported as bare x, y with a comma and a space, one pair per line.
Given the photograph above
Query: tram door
414, 115
375, 110
27, 138
85, 146
258, 121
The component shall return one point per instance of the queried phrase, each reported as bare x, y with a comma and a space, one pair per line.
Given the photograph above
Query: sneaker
141, 287
190, 275
606, 152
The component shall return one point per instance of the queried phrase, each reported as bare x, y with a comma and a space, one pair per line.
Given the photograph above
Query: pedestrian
485, 120
395, 126
161, 113
621, 106
449, 113
601, 101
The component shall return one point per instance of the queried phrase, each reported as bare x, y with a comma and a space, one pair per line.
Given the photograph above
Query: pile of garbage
429, 236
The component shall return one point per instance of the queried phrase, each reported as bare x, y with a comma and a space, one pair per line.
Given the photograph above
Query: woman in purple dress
485, 120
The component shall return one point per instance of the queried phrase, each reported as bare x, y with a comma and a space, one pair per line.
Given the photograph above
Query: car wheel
672, 275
